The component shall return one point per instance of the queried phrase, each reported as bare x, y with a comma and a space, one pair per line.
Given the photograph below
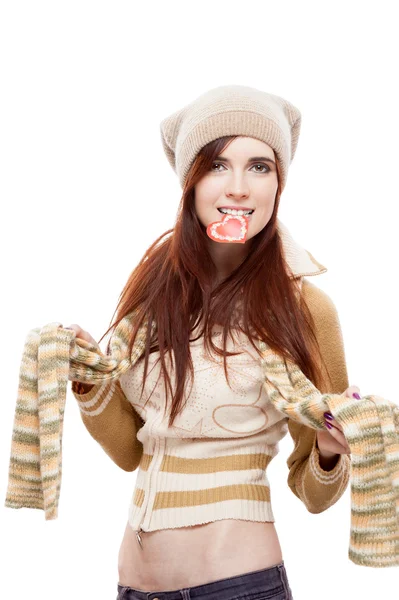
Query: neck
227, 257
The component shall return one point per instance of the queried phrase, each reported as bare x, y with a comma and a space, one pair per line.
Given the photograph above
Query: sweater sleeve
319, 489
112, 421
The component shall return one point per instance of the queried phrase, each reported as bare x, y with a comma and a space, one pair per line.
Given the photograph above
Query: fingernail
356, 395
328, 425
67, 327
328, 415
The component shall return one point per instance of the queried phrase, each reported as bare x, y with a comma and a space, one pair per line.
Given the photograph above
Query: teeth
229, 211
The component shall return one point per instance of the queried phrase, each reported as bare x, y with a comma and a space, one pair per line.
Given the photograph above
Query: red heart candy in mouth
232, 228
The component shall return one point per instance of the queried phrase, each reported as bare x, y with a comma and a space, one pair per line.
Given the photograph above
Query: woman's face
244, 176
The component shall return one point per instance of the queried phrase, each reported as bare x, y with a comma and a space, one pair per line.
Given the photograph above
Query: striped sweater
212, 463
231, 461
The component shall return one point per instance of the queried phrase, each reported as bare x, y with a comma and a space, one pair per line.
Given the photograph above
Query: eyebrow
254, 158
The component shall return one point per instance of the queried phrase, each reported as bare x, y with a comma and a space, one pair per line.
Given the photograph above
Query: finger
82, 334
352, 390
341, 439
75, 327
334, 423
328, 443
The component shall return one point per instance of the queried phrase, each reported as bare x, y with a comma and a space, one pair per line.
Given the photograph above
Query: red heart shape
232, 228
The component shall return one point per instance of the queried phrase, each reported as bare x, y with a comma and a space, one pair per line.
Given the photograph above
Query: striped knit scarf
52, 355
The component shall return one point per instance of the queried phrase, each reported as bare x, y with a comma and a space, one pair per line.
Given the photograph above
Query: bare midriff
172, 559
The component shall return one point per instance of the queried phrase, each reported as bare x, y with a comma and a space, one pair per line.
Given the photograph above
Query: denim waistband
272, 580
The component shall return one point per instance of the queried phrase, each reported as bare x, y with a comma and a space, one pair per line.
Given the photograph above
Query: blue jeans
266, 584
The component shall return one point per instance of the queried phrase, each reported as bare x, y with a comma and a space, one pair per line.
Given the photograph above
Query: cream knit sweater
212, 463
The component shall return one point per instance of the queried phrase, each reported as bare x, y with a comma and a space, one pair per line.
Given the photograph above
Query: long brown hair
173, 286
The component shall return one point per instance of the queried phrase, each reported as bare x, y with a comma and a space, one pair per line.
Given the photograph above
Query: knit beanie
231, 110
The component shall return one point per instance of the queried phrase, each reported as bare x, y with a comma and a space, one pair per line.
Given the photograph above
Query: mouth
246, 214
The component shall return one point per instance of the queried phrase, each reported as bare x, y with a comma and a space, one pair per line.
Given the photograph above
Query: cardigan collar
300, 261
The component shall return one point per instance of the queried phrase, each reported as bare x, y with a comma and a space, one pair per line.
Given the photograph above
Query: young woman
213, 296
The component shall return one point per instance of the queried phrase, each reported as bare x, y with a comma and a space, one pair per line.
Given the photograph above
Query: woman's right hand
83, 388
82, 334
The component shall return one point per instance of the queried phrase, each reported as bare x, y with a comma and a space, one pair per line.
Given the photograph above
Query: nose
236, 185
237, 188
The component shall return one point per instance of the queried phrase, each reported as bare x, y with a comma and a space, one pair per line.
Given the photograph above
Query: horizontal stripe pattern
181, 481
259, 509
185, 491
52, 355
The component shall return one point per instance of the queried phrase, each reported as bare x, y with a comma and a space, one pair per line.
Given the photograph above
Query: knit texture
53, 354
212, 463
114, 417
231, 110
370, 427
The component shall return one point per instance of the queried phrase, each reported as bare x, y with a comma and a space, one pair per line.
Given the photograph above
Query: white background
85, 189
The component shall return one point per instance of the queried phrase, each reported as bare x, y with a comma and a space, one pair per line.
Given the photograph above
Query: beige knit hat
231, 110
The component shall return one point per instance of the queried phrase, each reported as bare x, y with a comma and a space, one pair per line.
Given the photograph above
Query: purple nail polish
356, 395
328, 416
328, 425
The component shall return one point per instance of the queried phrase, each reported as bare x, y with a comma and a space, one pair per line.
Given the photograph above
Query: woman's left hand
333, 441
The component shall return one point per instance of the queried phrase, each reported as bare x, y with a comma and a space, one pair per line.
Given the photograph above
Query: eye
257, 165
264, 166
213, 164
